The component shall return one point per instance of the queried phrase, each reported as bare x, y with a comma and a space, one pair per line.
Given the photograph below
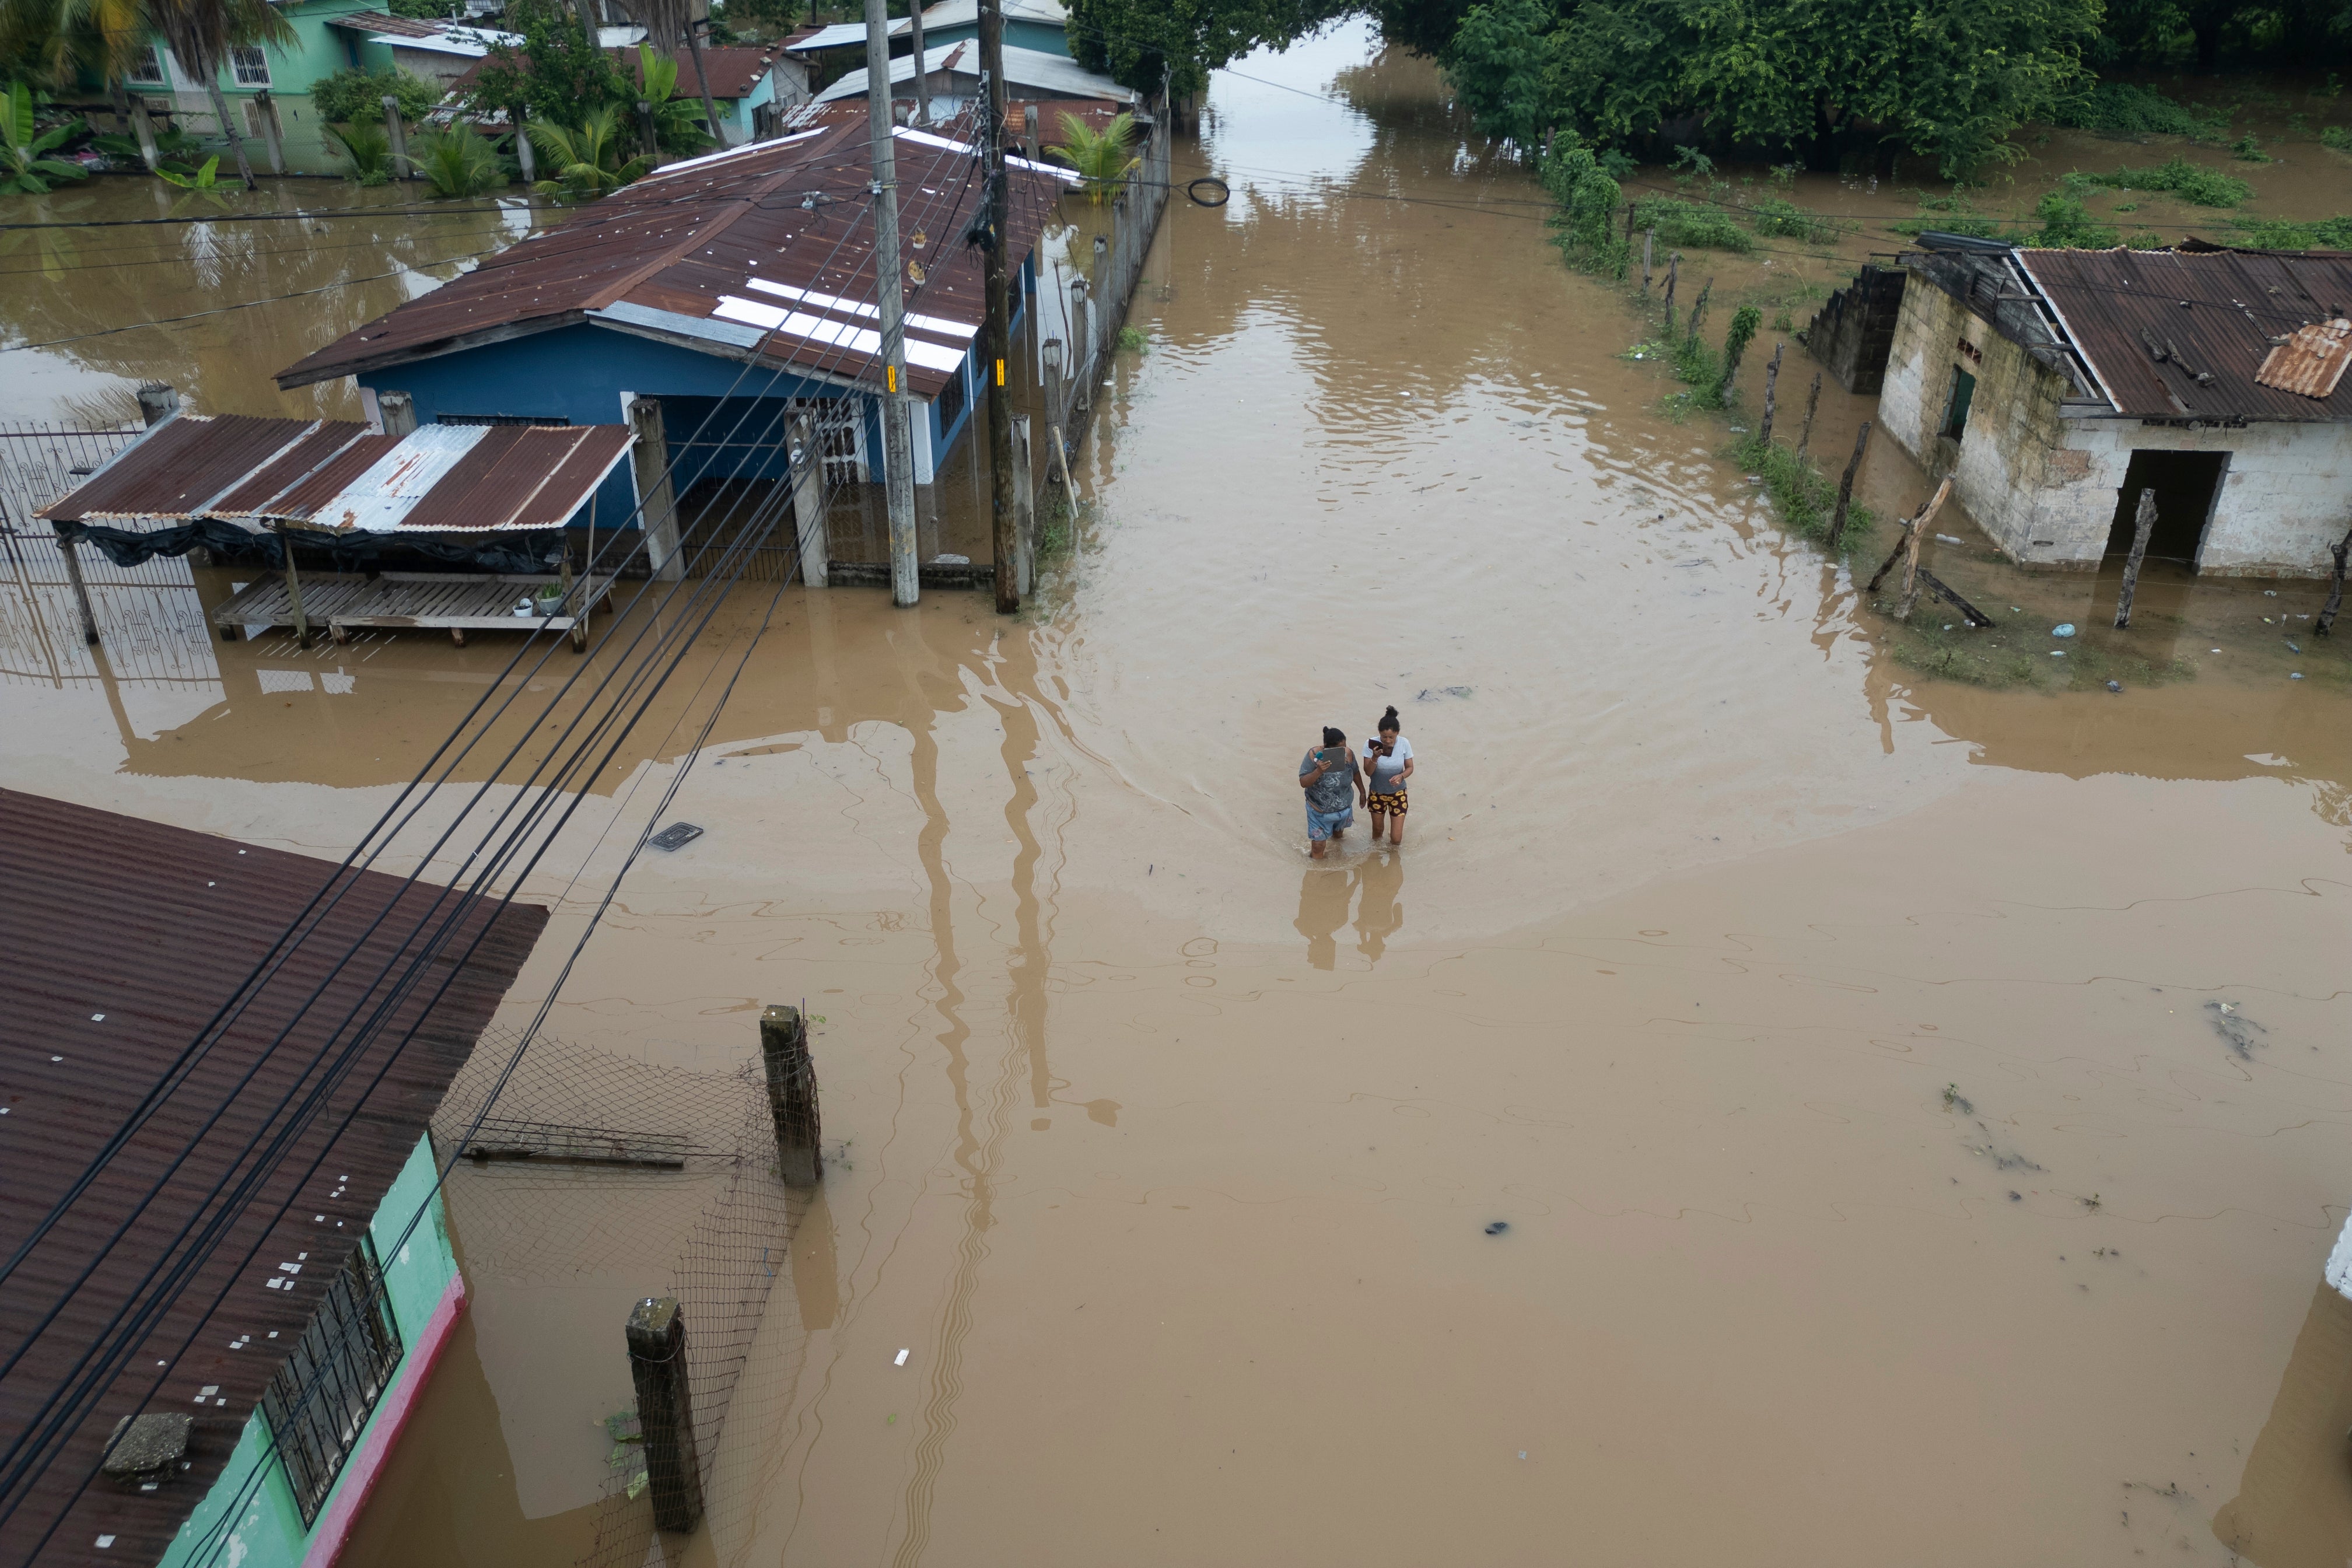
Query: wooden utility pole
2143, 525
1005, 529
657, 1337
1771, 388
710, 110
1845, 485
923, 76
889, 296
791, 1095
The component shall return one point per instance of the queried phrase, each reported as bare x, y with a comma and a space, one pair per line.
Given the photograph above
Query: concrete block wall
2286, 497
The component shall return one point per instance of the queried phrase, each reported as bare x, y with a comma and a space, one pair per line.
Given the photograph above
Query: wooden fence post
1649, 245
1674, 269
1845, 486
656, 1335
2325, 625
1771, 389
791, 1095
2143, 525
398, 133
294, 589
1812, 400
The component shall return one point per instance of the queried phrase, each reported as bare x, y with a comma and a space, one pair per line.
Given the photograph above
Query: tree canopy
1820, 80
1138, 42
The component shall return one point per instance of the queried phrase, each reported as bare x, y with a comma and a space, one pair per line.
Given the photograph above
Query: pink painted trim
366, 1467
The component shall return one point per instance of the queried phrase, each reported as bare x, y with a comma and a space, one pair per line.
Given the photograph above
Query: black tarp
524, 552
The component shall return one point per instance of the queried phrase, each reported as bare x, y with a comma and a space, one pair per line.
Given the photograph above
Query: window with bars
250, 64
321, 1397
146, 68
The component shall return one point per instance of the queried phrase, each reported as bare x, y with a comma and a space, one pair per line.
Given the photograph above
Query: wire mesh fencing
587, 1161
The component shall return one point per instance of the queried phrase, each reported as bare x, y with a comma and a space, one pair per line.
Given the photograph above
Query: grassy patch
1687, 226
2136, 110
2281, 234
1954, 214
2015, 654
2192, 182
2067, 224
1805, 497
1130, 338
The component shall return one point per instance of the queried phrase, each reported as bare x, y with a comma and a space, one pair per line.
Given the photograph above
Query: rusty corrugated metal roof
123, 936
2185, 333
2312, 361
659, 257
442, 479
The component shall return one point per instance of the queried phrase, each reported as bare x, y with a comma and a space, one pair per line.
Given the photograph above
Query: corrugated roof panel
124, 938
2312, 361
289, 470
179, 466
379, 498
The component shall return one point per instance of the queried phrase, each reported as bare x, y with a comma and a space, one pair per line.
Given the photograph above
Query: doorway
2186, 484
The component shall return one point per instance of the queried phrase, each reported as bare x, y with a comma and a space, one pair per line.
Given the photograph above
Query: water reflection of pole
66, 547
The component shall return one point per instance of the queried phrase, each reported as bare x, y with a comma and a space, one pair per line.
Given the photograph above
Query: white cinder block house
2054, 385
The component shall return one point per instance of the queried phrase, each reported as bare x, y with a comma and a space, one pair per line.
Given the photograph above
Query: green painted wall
316, 50
269, 1532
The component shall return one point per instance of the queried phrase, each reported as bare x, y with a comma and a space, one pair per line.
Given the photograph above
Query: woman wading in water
1333, 787
1388, 763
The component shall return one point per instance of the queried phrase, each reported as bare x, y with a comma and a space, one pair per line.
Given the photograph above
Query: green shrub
2338, 137
2067, 224
357, 97
458, 162
2281, 234
1133, 340
1586, 224
367, 147
2193, 183
2138, 110
2249, 149
1777, 216
1687, 226
1802, 494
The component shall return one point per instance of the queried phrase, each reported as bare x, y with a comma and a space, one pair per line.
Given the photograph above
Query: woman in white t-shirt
1388, 763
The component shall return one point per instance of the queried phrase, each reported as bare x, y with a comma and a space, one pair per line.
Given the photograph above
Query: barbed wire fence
589, 1162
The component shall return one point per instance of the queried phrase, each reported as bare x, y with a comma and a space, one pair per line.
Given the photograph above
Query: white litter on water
901, 1361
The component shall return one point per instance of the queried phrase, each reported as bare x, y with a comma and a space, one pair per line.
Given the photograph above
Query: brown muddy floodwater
1919, 1111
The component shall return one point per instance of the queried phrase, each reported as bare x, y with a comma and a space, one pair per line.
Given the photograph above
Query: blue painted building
733, 290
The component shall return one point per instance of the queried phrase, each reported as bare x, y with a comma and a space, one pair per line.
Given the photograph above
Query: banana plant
1100, 157
458, 162
25, 162
677, 123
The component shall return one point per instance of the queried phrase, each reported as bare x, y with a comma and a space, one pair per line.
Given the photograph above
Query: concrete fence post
524, 156
808, 500
656, 494
158, 401
1025, 508
70, 551
791, 1095
398, 412
657, 1337
401, 167
266, 111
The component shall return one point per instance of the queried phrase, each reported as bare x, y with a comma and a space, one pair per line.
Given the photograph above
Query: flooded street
1776, 1107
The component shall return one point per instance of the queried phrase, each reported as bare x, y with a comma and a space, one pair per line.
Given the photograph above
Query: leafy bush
1804, 495
2067, 224
1688, 225
458, 162
2338, 137
356, 96
2193, 183
2249, 149
588, 160
369, 148
1100, 157
1588, 197
1777, 215
2138, 111
2280, 234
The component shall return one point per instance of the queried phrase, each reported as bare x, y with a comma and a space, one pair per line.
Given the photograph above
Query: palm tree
202, 33
665, 22
61, 39
586, 161
1100, 157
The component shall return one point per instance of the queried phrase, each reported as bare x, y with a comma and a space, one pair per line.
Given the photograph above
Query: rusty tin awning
338, 475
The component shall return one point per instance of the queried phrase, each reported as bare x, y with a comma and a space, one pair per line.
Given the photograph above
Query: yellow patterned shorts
1392, 803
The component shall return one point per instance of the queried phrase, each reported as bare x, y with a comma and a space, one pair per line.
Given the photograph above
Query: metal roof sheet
2312, 361
947, 14
2185, 333
1026, 72
793, 210
331, 474
124, 938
